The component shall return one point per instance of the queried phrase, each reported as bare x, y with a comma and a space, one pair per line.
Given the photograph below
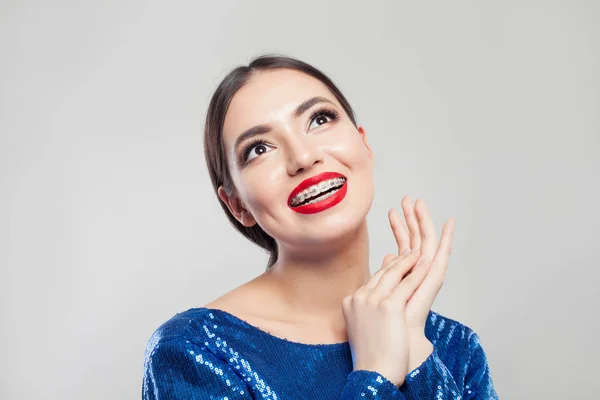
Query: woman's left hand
422, 235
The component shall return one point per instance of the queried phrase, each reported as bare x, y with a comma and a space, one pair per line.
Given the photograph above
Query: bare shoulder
252, 300
257, 302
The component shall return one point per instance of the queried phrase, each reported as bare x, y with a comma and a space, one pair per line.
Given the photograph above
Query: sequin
205, 353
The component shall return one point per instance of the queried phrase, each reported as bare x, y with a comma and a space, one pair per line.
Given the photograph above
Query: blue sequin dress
206, 353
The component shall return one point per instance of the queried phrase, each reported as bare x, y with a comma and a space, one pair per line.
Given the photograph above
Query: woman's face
295, 148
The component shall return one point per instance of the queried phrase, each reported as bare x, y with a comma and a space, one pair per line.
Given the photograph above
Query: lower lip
324, 204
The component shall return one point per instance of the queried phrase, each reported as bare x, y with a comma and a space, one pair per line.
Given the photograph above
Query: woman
294, 174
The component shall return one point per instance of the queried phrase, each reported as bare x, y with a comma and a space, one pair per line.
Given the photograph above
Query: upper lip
313, 180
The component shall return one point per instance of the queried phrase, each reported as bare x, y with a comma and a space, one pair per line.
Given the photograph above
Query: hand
376, 322
433, 257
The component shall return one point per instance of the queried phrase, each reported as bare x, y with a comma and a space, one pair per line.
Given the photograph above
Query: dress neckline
320, 346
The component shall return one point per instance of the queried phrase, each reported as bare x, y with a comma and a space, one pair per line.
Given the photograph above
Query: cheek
261, 189
351, 152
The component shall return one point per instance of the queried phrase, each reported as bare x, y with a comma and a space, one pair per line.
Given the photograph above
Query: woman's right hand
375, 317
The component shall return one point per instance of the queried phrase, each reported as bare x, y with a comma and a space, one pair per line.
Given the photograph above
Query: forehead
268, 97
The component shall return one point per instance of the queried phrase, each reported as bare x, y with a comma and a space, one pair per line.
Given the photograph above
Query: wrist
420, 349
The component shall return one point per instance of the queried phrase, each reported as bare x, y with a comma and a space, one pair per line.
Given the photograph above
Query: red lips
323, 176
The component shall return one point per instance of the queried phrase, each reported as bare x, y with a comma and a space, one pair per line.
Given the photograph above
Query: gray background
487, 110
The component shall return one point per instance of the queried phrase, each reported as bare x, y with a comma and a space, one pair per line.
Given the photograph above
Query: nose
302, 155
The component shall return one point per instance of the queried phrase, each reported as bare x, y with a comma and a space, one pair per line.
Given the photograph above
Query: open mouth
319, 192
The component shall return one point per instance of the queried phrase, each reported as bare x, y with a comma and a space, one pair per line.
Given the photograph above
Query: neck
311, 283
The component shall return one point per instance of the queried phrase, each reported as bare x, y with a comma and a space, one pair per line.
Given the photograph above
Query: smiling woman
293, 172
253, 138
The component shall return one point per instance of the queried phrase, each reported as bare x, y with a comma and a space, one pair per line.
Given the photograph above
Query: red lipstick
323, 204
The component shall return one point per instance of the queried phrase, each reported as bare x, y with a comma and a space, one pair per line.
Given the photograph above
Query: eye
248, 149
320, 114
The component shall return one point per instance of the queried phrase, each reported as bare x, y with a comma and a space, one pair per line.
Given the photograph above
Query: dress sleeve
432, 379
364, 384
179, 369
478, 381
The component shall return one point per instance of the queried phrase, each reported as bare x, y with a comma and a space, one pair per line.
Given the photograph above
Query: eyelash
326, 111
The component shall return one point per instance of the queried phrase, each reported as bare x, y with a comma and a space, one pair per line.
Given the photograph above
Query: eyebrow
261, 129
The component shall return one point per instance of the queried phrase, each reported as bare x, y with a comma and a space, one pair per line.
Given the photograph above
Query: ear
236, 208
363, 133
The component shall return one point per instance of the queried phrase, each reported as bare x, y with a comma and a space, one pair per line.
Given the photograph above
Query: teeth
323, 197
315, 189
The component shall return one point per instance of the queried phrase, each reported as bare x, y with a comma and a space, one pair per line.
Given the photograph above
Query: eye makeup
245, 152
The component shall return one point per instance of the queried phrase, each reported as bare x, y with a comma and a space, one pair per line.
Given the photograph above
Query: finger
432, 283
413, 224
392, 276
442, 254
427, 229
404, 290
388, 261
400, 232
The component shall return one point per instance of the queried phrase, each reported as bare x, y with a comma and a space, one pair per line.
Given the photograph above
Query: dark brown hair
214, 149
